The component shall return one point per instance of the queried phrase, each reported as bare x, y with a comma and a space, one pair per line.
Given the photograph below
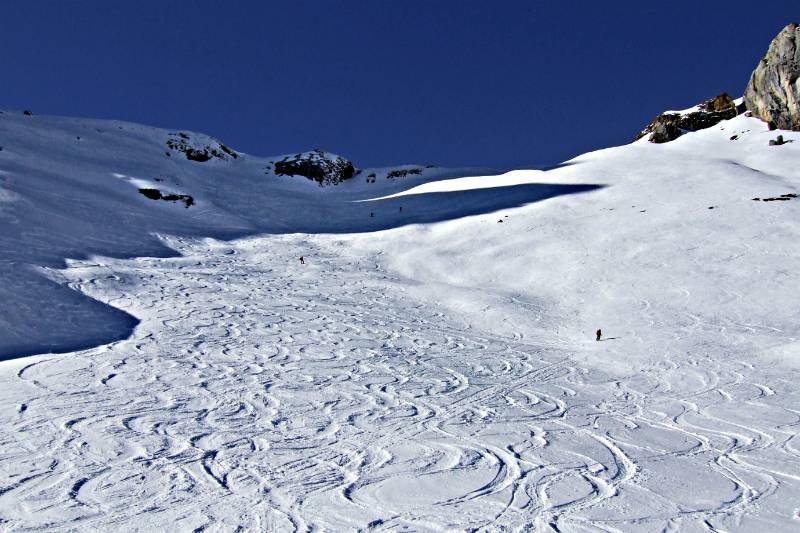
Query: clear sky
456, 83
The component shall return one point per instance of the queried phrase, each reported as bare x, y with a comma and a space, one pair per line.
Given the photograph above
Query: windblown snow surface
428, 369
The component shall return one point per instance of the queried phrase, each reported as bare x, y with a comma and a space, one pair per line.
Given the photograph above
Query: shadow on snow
427, 208
38, 315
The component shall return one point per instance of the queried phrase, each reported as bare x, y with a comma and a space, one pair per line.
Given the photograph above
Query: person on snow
599, 334
302, 261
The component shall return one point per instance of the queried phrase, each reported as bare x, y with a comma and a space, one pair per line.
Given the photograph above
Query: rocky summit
670, 125
323, 167
773, 93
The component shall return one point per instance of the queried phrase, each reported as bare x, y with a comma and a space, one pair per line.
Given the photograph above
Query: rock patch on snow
403, 172
155, 194
197, 151
781, 198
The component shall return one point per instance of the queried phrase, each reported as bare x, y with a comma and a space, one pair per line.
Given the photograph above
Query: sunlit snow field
434, 369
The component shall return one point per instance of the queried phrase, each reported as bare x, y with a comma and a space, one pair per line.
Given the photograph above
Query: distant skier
302, 261
599, 334
401, 208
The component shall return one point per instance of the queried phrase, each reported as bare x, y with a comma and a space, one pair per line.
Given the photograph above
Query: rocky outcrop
200, 150
323, 167
663, 129
669, 126
155, 194
403, 172
773, 93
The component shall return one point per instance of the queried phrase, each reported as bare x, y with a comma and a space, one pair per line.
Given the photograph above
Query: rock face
664, 128
773, 93
669, 126
323, 167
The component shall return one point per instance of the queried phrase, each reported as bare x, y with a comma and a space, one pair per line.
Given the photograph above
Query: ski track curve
261, 394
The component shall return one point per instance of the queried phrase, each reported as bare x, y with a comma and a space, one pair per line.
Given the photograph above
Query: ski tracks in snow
260, 393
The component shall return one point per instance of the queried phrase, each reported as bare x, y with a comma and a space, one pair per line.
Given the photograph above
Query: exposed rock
664, 128
155, 194
742, 108
782, 198
720, 103
773, 93
779, 141
671, 125
403, 172
197, 150
323, 167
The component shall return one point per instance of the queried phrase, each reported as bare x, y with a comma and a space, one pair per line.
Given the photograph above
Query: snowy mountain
169, 362
427, 368
74, 188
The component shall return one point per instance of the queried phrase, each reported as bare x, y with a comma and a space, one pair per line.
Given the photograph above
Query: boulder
780, 141
773, 93
669, 126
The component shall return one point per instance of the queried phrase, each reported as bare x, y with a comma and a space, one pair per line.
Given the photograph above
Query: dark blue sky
454, 83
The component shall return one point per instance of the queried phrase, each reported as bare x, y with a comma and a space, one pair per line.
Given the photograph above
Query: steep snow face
430, 368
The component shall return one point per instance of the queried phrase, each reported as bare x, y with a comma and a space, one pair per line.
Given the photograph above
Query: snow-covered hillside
70, 188
428, 368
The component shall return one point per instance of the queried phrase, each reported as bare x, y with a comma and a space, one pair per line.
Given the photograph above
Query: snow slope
69, 189
427, 369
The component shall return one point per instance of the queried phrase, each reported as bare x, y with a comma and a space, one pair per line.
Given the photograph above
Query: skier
302, 261
599, 334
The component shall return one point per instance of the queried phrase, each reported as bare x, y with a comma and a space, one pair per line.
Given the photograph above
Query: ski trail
258, 393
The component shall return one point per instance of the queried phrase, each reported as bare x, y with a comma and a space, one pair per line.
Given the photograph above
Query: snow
427, 369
